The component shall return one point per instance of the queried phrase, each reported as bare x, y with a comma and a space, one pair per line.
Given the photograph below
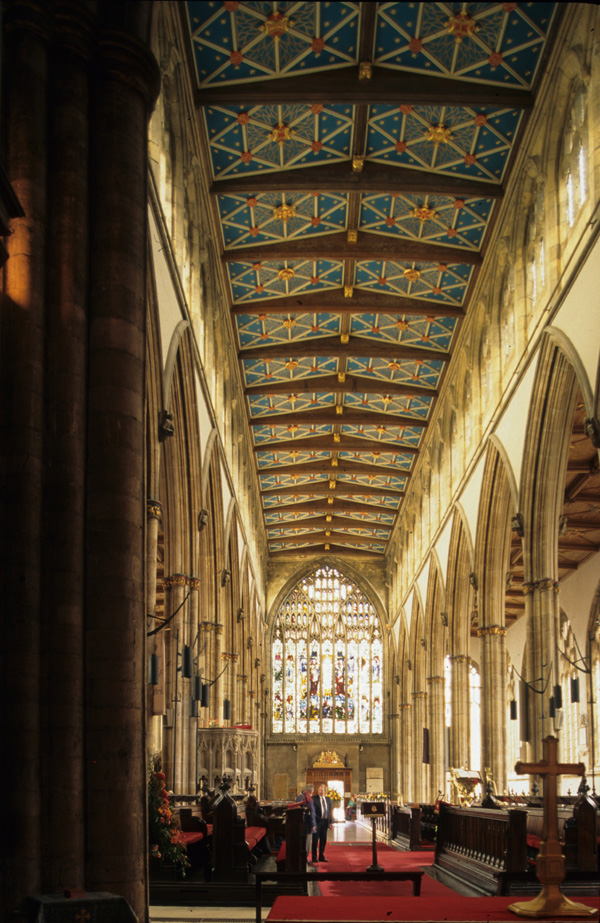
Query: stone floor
340, 833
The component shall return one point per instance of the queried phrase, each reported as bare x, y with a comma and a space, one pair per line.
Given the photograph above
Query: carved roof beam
344, 86
354, 346
344, 246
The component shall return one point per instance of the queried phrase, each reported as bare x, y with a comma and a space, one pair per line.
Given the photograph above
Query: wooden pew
197, 837
406, 826
292, 854
493, 851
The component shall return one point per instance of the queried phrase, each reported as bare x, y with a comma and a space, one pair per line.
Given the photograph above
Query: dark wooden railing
483, 847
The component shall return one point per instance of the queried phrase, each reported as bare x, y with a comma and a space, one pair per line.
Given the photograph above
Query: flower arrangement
165, 836
333, 794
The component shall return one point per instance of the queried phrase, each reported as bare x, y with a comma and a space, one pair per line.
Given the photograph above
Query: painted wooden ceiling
359, 153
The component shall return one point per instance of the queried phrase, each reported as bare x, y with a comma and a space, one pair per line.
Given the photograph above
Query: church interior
274, 514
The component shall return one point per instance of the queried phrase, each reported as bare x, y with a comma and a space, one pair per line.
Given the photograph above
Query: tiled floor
339, 833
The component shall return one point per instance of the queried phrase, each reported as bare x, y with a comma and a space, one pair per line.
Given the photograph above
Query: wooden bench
406, 826
292, 854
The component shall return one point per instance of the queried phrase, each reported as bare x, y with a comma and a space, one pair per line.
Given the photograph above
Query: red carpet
406, 910
356, 858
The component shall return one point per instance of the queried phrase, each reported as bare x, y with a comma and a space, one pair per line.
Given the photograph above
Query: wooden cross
550, 863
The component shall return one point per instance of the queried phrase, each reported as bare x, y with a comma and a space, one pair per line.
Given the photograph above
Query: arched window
575, 155
507, 315
536, 254
327, 659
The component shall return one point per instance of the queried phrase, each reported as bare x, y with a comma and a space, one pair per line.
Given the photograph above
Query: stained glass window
327, 659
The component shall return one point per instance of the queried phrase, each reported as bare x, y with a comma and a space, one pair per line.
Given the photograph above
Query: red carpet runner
390, 902
356, 858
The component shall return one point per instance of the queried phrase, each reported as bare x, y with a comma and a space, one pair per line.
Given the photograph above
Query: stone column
437, 730
541, 604
156, 694
178, 686
216, 692
403, 746
65, 451
191, 763
493, 702
125, 85
25, 100
420, 774
460, 729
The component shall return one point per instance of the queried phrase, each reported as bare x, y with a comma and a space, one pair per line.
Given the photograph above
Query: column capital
153, 510
419, 695
178, 580
491, 630
439, 680
546, 583
460, 658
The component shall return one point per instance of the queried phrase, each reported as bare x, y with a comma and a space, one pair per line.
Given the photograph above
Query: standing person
323, 817
351, 808
310, 822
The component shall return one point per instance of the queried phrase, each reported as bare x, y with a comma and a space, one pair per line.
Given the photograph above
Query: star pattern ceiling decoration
359, 153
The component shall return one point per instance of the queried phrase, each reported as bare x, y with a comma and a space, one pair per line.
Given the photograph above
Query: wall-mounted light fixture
153, 669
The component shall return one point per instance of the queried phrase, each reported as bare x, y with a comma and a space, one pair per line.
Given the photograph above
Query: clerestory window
327, 659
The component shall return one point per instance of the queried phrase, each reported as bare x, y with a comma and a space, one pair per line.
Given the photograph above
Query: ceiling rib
373, 178
322, 506
345, 444
350, 384
332, 347
358, 468
385, 86
366, 247
351, 417
361, 302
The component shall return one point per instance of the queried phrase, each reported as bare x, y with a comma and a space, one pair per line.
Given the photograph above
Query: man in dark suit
323, 822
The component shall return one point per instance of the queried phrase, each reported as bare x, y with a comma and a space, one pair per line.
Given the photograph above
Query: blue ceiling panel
408, 372
392, 458
498, 43
261, 405
278, 279
413, 406
376, 516
296, 457
273, 481
401, 435
259, 139
267, 434
264, 329
249, 219
237, 41
432, 332
446, 283
261, 371
277, 517
437, 219
473, 143
383, 481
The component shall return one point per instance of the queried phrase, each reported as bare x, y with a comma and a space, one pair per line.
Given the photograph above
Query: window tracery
575, 155
327, 659
536, 253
